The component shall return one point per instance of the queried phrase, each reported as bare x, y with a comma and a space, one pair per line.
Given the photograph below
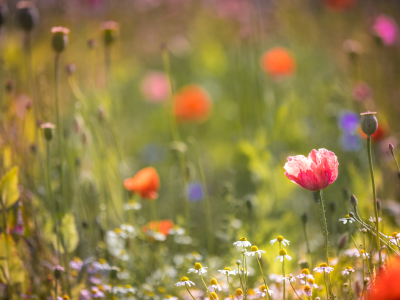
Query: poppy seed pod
60, 38
304, 264
353, 200
48, 130
369, 123
3, 13
304, 218
110, 32
27, 15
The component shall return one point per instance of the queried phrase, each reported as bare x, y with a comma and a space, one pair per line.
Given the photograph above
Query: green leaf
13, 264
69, 234
9, 187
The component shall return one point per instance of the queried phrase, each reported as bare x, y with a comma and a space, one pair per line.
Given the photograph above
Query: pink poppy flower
386, 29
155, 86
314, 172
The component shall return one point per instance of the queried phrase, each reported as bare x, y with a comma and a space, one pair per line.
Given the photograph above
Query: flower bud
304, 264
110, 32
391, 148
3, 13
332, 206
351, 214
60, 38
27, 15
91, 43
304, 218
48, 130
57, 272
353, 200
369, 123
70, 69
378, 204
238, 262
364, 230
353, 48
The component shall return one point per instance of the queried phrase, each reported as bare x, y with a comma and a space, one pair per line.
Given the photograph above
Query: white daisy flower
394, 239
264, 290
132, 205
254, 251
177, 231
305, 273
289, 278
185, 281
198, 269
308, 291
275, 277
310, 281
283, 254
346, 219
170, 297
239, 294
227, 271
373, 220
129, 230
348, 271
323, 268
214, 286
117, 232
281, 240
363, 254
351, 252
244, 271
243, 242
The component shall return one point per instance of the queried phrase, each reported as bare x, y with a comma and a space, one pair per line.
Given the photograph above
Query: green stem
394, 157
371, 170
295, 291
230, 288
262, 274
189, 292
6, 254
326, 286
307, 242
206, 286
284, 279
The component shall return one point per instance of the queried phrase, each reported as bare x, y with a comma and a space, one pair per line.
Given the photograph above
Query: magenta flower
155, 86
362, 92
314, 172
385, 27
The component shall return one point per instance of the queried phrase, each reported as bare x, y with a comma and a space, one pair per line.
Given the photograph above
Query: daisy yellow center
347, 216
239, 292
254, 248
243, 239
100, 287
307, 288
94, 291
184, 279
394, 234
128, 224
310, 281
102, 261
323, 265
77, 259
282, 252
305, 271
197, 266
362, 251
280, 238
214, 296
213, 281
263, 287
128, 286
250, 292
349, 268
228, 269
118, 230
162, 290
65, 297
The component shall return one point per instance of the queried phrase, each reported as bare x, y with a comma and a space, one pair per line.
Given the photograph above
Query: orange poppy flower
278, 62
379, 134
339, 5
146, 183
162, 226
192, 103
387, 286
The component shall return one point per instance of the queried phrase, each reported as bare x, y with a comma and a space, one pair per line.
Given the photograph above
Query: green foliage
9, 188
10, 261
69, 234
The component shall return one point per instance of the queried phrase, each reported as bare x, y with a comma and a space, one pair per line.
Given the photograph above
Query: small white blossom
243, 242
228, 271
185, 281
346, 219
254, 251
373, 220
348, 271
281, 240
323, 268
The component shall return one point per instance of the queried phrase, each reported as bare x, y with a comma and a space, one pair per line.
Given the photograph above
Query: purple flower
195, 192
348, 121
85, 295
76, 264
350, 142
96, 292
385, 27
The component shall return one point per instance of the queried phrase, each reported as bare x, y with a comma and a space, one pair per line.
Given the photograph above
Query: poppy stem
371, 170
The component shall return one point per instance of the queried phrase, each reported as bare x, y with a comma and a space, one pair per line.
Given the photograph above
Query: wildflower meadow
199, 149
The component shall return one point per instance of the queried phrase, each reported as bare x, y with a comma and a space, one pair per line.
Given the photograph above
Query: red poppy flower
387, 286
339, 5
162, 226
146, 183
378, 136
278, 62
192, 103
314, 172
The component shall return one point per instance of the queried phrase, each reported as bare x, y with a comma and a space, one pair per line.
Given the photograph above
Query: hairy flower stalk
369, 124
